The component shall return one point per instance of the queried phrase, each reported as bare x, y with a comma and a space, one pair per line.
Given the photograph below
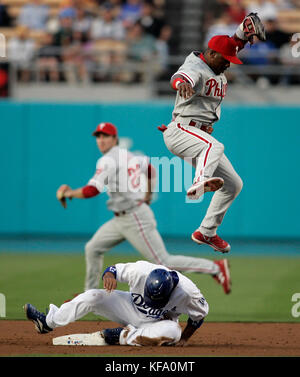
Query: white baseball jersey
123, 174
210, 89
186, 297
144, 325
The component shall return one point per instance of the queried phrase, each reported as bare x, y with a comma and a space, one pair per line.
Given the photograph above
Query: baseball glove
60, 195
252, 26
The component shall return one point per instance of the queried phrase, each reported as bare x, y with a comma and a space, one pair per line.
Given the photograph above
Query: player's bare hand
61, 194
109, 282
185, 90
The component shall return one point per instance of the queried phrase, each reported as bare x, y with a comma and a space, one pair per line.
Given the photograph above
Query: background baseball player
201, 86
121, 173
150, 310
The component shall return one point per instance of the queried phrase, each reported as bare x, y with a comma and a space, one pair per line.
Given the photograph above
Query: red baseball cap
106, 128
226, 46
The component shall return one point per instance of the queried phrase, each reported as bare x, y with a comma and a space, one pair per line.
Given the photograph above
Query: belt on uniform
206, 127
200, 124
121, 213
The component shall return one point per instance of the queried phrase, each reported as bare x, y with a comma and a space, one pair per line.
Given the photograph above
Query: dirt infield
19, 338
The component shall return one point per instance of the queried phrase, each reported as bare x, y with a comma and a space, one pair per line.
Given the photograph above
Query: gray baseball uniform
129, 308
185, 139
124, 176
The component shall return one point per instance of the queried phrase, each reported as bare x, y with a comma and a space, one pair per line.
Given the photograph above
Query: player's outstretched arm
66, 192
185, 89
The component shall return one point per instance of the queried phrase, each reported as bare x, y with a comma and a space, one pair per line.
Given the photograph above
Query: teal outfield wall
45, 145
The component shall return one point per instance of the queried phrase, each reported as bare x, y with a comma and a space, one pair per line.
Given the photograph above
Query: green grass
262, 287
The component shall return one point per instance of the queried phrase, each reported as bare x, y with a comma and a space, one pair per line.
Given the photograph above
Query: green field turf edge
262, 287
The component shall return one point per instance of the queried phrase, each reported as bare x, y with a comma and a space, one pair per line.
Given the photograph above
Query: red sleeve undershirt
89, 191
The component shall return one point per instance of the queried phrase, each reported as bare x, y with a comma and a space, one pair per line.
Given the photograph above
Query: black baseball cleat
38, 318
112, 336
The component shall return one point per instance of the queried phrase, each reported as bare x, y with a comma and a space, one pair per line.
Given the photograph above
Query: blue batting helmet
158, 288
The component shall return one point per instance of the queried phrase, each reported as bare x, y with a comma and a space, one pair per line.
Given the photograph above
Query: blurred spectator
141, 46
5, 19
63, 37
68, 12
221, 26
151, 24
21, 50
162, 49
142, 52
107, 26
108, 35
117, 4
262, 54
274, 34
47, 60
214, 9
289, 56
131, 12
265, 9
75, 58
236, 11
34, 15
83, 21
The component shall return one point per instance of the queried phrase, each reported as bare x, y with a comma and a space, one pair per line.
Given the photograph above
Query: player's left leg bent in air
213, 172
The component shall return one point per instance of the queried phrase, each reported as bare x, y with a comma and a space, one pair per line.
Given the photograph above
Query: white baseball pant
208, 158
116, 306
139, 229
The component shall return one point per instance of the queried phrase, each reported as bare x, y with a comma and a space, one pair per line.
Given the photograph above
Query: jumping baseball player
201, 86
149, 311
121, 173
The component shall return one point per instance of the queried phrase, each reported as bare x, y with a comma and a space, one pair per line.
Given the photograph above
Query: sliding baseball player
149, 312
128, 179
